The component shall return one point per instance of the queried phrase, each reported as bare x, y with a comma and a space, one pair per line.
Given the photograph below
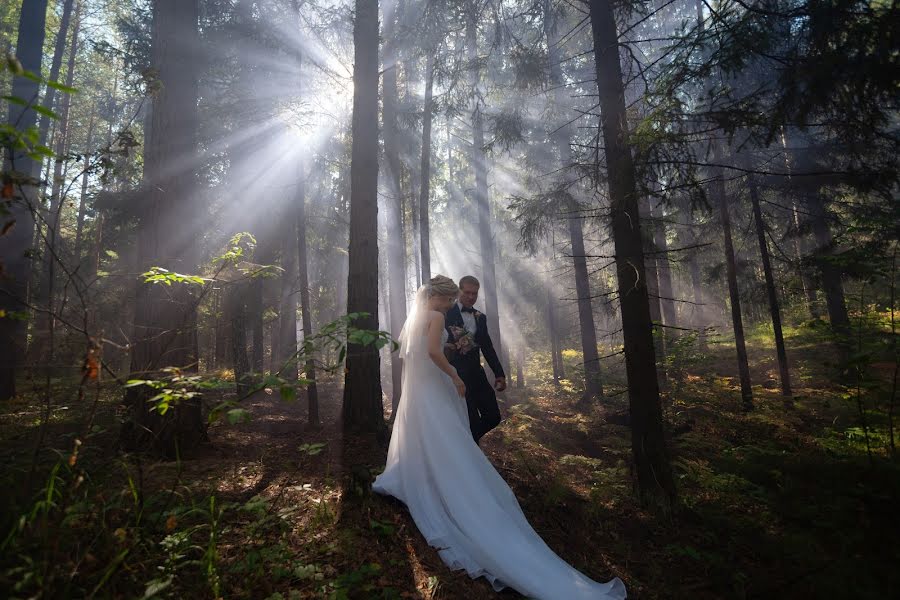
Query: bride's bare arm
436, 350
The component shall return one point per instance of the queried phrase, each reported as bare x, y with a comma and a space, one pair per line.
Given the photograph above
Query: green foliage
360, 581
176, 386
166, 277
382, 528
312, 449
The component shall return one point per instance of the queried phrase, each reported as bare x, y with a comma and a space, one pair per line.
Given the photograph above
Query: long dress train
459, 502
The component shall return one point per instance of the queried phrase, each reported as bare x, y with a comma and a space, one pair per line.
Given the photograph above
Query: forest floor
780, 502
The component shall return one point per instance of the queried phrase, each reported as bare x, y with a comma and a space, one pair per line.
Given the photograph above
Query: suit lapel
454, 317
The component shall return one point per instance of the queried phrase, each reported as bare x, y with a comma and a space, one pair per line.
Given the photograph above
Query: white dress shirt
468, 320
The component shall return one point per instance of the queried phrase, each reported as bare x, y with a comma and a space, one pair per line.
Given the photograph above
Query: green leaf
238, 415
288, 393
62, 88
312, 449
13, 64
15, 100
46, 112
155, 586
164, 276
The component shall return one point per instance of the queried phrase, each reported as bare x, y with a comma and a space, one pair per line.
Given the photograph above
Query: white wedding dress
459, 502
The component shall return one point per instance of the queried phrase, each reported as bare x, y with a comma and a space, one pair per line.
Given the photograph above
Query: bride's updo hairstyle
441, 285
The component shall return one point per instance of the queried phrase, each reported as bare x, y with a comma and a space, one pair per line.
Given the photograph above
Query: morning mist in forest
215, 216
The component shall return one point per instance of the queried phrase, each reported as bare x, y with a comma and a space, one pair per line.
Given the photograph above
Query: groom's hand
500, 384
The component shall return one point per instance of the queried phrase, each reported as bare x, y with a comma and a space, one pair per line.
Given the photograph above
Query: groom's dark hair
470, 280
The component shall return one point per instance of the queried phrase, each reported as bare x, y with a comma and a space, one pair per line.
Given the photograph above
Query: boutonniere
476, 314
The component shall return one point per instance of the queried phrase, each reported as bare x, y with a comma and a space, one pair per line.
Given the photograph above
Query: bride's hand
460, 386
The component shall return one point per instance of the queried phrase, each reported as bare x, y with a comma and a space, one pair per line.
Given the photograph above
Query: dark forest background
215, 214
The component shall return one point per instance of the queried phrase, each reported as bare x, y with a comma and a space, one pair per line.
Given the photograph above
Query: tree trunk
165, 321
312, 392
287, 305
221, 350
559, 371
520, 366
255, 320
801, 250
733, 293
687, 237
699, 322
663, 270
236, 313
396, 240
830, 272
652, 274
62, 136
593, 386
770, 289
482, 201
82, 203
45, 323
650, 263
424, 198
58, 51
22, 172
656, 485
362, 405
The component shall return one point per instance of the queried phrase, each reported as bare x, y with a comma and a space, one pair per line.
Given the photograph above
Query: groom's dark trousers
481, 401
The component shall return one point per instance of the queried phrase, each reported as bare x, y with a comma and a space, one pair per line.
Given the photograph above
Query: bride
458, 500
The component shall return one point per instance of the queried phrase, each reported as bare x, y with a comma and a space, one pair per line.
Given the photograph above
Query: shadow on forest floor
777, 503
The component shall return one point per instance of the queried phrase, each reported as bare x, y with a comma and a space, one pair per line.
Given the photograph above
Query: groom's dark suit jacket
481, 401
471, 361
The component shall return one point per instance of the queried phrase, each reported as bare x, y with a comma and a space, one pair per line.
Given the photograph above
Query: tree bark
482, 201
593, 385
520, 366
165, 321
650, 261
362, 405
287, 305
58, 51
687, 237
830, 272
801, 250
222, 335
559, 371
733, 292
655, 483
82, 203
45, 322
774, 309
664, 270
425, 195
22, 172
255, 309
236, 313
312, 392
396, 240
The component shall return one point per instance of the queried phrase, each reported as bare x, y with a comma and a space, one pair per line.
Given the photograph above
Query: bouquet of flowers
464, 340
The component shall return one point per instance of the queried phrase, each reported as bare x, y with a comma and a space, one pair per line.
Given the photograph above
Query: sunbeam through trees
671, 228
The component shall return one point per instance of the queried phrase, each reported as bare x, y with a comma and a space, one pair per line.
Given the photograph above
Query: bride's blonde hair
441, 285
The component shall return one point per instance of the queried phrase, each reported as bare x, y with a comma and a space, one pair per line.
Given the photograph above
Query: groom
468, 339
